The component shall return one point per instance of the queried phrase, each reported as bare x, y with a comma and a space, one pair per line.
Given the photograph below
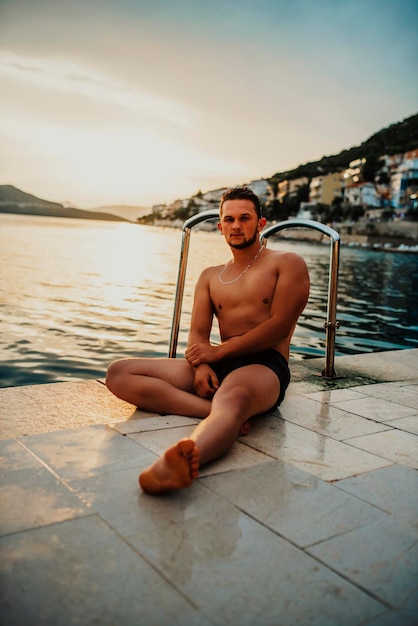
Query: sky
140, 102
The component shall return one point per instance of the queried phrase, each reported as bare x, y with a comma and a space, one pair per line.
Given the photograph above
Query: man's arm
205, 379
202, 311
290, 298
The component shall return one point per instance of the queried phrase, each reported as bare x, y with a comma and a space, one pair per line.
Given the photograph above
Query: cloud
68, 77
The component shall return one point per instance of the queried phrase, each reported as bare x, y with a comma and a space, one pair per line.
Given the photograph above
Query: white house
362, 194
261, 188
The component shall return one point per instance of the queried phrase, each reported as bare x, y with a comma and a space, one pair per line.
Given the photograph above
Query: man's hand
203, 352
205, 381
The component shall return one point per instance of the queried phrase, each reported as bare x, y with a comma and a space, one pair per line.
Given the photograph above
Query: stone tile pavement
311, 519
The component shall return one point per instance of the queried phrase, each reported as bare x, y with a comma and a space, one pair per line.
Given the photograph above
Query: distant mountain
395, 139
13, 200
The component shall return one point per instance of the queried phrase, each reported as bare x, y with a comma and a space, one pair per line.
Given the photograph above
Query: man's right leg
157, 385
245, 392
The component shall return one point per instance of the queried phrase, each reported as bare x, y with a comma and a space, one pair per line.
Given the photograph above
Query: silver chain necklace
234, 280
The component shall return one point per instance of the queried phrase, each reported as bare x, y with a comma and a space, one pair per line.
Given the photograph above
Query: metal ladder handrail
181, 277
330, 325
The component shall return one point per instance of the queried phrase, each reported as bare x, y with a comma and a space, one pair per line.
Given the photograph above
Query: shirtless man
257, 298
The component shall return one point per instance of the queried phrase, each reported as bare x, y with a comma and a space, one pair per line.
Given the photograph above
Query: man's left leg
245, 392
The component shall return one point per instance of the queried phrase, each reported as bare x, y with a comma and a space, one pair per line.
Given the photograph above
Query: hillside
131, 213
13, 200
395, 139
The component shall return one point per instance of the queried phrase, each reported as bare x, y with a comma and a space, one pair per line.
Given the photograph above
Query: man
257, 298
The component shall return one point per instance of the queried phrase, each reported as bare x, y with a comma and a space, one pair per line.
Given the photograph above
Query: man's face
240, 224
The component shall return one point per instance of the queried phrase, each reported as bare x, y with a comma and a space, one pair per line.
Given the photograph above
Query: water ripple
109, 291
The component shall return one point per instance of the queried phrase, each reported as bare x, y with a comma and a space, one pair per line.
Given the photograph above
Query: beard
245, 244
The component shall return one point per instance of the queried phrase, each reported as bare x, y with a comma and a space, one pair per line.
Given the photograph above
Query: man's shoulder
211, 269
209, 272
290, 265
284, 257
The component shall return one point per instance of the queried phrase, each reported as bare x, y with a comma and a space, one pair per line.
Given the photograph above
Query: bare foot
177, 468
245, 429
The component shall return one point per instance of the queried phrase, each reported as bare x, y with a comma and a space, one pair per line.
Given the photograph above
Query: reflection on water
75, 295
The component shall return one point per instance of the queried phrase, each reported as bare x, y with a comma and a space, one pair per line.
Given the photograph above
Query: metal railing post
331, 324
181, 277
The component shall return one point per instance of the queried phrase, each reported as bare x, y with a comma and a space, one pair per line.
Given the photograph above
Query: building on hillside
352, 174
282, 189
261, 188
211, 199
382, 178
391, 162
290, 187
214, 196
362, 194
404, 181
325, 188
168, 210
199, 203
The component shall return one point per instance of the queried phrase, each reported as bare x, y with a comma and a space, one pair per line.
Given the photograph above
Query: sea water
77, 294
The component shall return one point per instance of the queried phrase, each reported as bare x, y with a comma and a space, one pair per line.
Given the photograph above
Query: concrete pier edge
311, 519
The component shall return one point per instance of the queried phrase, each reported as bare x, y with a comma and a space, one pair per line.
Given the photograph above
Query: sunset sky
144, 101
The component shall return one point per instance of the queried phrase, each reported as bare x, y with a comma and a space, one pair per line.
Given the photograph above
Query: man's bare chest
249, 292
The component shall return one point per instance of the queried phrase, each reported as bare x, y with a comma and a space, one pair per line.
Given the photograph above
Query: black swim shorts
270, 358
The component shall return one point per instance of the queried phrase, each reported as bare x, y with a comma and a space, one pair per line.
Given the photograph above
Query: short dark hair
241, 193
